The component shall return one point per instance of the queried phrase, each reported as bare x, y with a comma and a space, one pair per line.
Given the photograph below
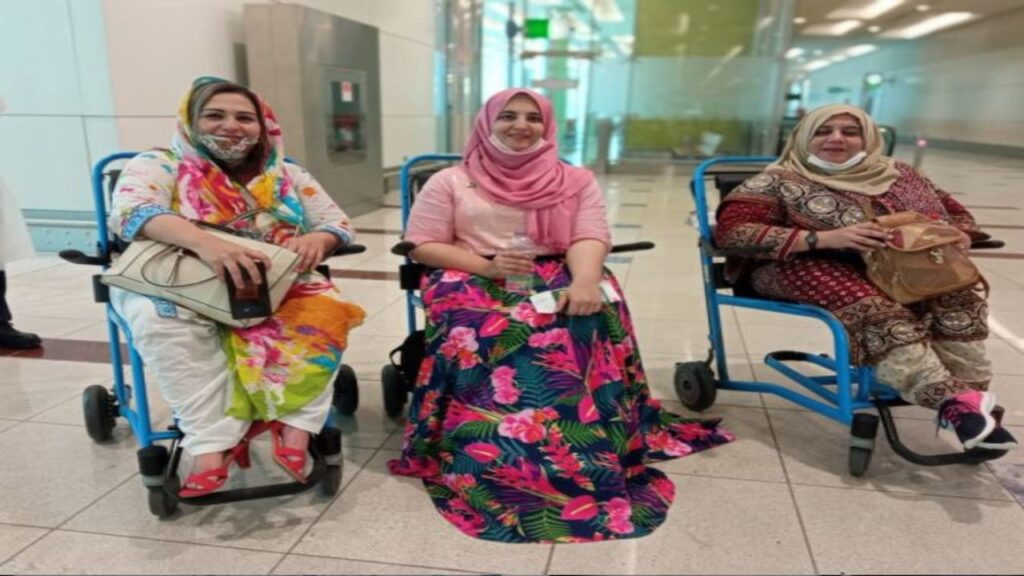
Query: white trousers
185, 357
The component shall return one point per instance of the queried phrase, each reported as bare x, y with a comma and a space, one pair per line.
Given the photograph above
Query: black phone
251, 301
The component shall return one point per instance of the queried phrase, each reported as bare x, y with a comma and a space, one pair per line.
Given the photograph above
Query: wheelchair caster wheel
695, 385
100, 409
161, 504
859, 461
346, 391
862, 443
331, 481
393, 384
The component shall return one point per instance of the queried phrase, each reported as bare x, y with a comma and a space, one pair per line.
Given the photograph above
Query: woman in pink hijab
532, 422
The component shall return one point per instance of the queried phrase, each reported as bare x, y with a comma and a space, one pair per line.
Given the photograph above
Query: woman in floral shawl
530, 426
226, 166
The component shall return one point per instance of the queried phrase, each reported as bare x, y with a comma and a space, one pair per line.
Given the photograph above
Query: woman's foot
969, 414
290, 449
210, 470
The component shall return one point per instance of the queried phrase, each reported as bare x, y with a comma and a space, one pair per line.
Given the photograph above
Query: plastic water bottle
520, 283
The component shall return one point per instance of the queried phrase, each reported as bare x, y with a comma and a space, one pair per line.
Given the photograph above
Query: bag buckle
937, 256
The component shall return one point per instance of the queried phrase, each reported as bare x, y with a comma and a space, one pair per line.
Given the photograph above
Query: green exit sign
536, 28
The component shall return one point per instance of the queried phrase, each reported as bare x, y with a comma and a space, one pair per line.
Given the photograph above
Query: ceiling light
794, 52
837, 58
816, 65
799, 20
871, 11
932, 24
874, 29
923, 8
860, 50
833, 29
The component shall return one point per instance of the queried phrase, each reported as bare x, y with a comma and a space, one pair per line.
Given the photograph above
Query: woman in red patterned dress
809, 207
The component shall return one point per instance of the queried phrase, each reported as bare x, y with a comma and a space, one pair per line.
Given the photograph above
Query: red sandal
210, 480
292, 460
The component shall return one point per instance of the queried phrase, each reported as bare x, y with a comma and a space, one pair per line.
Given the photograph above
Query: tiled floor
777, 501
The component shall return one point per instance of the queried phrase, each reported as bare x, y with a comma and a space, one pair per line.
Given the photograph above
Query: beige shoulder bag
173, 273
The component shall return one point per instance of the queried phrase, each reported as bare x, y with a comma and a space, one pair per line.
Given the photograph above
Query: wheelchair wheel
862, 443
331, 482
393, 384
328, 443
346, 391
695, 385
99, 408
161, 504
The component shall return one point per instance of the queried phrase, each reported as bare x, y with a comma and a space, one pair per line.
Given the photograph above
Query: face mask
501, 145
223, 149
832, 167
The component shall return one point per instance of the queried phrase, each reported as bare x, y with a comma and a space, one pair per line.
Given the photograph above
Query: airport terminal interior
642, 92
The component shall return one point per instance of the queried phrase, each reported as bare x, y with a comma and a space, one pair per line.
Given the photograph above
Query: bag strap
181, 254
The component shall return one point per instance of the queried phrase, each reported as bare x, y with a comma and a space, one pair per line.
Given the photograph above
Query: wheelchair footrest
975, 456
256, 492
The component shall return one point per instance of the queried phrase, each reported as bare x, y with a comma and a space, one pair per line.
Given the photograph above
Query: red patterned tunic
770, 209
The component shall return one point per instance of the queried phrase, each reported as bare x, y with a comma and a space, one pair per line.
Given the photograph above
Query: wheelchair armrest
79, 257
631, 247
987, 244
403, 248
709, 247
349, 249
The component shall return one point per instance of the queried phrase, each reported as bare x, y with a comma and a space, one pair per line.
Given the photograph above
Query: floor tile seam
51, 407
792, 494
11, 558
166, 540
337, 497
116, 487
363, 560
720, 477
928, 495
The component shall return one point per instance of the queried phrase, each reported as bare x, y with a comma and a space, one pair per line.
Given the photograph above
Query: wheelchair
158, 465
398, 377
846, 394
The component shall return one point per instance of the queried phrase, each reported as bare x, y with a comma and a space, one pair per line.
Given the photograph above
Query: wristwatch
812, 241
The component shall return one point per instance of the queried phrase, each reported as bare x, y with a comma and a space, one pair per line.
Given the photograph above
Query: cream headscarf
871, 177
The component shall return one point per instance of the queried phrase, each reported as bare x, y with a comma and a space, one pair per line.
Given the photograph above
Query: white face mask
832, 167
501, 145
224, 149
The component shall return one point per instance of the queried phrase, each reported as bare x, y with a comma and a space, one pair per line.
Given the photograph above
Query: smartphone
252, 300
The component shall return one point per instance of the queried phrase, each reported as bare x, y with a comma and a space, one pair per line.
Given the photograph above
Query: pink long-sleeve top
449, 209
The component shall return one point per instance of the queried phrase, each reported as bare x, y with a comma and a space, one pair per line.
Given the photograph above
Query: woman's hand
312, 248
864, 237
508, 263
225, 257
581, 299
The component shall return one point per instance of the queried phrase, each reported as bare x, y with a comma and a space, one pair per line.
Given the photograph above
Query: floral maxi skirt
530, 427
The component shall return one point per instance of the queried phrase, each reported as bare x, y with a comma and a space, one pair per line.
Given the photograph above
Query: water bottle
520, 283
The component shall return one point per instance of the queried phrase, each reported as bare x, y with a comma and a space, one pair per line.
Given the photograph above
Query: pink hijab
535, 180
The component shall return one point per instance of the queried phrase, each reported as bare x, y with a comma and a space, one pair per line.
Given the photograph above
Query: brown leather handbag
921, 260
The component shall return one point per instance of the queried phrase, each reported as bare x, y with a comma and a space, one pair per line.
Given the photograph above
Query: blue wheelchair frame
157, 467
844, 396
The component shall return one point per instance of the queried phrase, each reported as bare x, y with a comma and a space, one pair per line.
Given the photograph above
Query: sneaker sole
1004, 446
987, 405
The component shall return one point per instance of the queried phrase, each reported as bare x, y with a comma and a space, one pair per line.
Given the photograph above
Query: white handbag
173, 273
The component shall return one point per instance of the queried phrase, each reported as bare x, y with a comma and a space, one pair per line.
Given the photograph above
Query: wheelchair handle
987, 244
79, 257
349, 249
